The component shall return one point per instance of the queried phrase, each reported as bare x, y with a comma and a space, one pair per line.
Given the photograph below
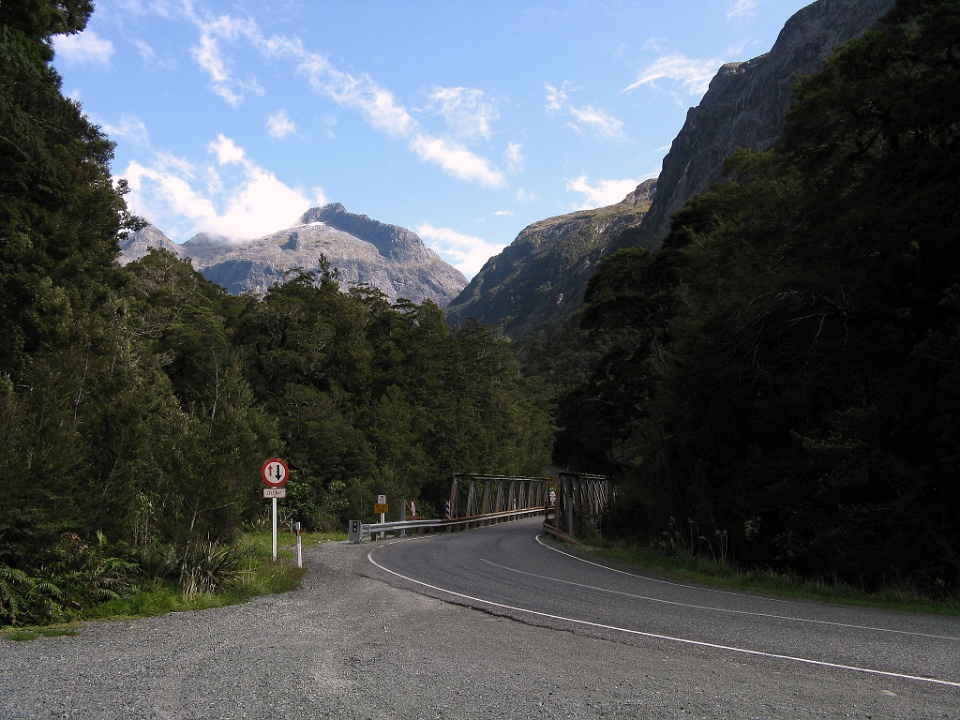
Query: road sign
275, 472
274, 492
381, 508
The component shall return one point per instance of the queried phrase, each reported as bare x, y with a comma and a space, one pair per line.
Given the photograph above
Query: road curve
509, 569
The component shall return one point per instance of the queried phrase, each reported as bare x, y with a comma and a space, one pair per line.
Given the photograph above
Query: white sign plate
279, 492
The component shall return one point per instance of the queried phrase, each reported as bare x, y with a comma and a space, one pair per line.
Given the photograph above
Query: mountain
747, 102
140, 243
365, 252
539, 278
542, 275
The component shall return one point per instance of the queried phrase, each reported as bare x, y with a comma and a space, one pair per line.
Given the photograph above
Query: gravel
346, 645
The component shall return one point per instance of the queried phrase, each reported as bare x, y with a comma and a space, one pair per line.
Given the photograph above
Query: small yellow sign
381, 508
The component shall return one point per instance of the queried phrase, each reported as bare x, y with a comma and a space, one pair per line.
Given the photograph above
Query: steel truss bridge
572, 505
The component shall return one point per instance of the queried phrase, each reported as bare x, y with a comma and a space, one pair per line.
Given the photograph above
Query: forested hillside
137, 404
780, 382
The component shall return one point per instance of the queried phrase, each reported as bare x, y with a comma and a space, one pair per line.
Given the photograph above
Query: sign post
274, 473
382, 508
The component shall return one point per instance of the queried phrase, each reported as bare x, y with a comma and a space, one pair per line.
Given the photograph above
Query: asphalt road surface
510, 630
513, 570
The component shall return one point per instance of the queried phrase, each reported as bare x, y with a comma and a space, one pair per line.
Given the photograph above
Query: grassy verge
260, 576
697, 570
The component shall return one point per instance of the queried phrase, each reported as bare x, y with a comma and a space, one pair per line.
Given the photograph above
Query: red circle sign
275, 472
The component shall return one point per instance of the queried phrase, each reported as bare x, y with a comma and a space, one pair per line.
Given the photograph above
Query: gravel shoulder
347, 645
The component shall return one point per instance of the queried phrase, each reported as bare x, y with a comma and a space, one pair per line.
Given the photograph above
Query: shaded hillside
540, 277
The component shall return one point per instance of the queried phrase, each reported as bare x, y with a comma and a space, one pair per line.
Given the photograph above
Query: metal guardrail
359, 530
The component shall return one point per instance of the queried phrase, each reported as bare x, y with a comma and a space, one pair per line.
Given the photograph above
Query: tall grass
716, 571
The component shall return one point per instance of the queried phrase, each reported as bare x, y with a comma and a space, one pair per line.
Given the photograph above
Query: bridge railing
572, 505
359, 530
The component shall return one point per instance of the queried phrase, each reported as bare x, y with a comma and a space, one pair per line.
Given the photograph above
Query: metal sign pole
274, 528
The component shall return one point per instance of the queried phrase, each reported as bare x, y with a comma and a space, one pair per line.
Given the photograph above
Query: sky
463, 121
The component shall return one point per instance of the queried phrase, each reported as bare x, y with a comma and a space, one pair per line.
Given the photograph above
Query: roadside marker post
275, 473
299, 547
382, 508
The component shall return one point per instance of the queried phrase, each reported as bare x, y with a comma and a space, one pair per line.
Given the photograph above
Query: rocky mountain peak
365, 252
391, 240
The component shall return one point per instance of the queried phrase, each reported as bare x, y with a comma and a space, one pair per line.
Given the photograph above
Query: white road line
653, 579
667, 638
713, 609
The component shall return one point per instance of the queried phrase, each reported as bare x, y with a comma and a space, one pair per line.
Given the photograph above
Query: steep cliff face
365, 252
541, 276
746, 103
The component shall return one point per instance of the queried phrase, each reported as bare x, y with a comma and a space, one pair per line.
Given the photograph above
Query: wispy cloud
693, 74
741, 9
131, 128
457, 160
209, 55
582, 117
279, 125
465, 252
606, 192
515, 161
84, 48
469, 115
233, 196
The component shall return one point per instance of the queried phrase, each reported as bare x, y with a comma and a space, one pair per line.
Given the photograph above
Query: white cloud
85, 47
235, 198
279, 125
209, 56
131, 128
376, 104
457, 160
607, 192
465, 252
692, 73
227, 150
468, 114
741, 9
585, 116
515, 161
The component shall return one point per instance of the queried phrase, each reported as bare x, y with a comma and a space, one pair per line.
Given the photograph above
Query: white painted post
299, 548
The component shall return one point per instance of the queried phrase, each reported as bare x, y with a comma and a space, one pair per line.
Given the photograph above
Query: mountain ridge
388, 258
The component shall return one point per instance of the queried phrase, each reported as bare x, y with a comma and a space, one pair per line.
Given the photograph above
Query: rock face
746, 103
140, 243
541, 276
365, 252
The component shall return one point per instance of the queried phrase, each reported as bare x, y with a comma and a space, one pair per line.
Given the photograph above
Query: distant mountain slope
747, 102
391, 259
140, 243
540, 277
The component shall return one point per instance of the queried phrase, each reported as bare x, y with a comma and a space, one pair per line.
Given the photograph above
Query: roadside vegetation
232, 575
663, 562
783, 374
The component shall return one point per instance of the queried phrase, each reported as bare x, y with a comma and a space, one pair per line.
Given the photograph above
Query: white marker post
274, 473
299, 548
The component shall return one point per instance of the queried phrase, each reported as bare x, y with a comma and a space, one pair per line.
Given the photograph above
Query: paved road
510, 569
348, 646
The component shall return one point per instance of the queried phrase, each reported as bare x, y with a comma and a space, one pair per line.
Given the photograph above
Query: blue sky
463, 121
